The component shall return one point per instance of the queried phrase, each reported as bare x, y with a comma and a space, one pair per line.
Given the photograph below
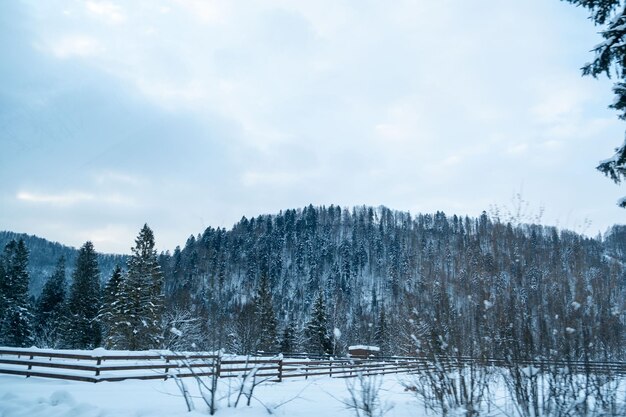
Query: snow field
315, 397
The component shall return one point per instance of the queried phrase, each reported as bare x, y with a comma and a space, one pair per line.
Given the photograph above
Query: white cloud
106, 10
108, 238
404, 123
63, 199
276, 178
115, 177
517, 149
75, 46
74, 198
560, 100
362, 101
207, 11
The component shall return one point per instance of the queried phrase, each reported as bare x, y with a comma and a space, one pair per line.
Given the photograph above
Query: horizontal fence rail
101, 365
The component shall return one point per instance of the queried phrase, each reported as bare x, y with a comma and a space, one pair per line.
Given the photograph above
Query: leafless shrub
365, 399
525, 387
447, 386
206, 378
562, 390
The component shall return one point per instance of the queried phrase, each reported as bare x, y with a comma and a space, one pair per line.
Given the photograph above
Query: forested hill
468, 277
400, 281
43, 257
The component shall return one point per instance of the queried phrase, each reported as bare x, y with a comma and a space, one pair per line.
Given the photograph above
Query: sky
186, 114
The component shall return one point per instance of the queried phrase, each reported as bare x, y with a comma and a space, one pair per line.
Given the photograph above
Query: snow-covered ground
315, 397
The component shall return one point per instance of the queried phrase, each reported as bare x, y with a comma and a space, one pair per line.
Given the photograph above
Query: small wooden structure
363, 351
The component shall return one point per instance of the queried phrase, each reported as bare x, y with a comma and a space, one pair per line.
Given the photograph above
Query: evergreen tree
16, 325
318, 337
138, 313
110, 301
83, 327
288, 341
3, 289
610, 59
382, 332
266, 317
49, 312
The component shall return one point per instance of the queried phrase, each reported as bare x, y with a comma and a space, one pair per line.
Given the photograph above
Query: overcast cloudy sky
188, 113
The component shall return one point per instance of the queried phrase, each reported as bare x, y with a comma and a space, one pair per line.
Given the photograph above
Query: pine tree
50, 312
110, 304
139, 310
610, 59
16, 315
83, 327
317, 334
3, 289
382, 332
288, 342
266, 317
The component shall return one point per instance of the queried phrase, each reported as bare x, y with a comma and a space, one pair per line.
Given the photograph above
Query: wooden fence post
280, 370
331, 368
29, 366
98, 362
167, 368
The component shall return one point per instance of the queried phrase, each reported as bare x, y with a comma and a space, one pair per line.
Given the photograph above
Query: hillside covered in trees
43, 257
435, 280
319, 279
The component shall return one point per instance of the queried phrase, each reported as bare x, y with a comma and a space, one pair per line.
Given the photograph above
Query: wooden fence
102, 365
93, 366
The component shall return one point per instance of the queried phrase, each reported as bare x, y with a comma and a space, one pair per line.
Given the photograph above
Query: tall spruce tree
381, 336
266, 317
288, 343
82, 330
138, 314
318, 336
16, 315
3, 281
50, 312
110, 301
610, 59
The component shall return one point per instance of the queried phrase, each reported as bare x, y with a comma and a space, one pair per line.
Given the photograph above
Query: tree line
318, 279
125, 314
405, 283
43, 256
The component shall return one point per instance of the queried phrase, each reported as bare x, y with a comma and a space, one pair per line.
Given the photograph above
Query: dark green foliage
50, 308
44, 254
3, 290
610, 59
473, 285
266, 319
53, 293
15, 314
137, 315
244, 335
83, 327
467, 279
382, 332
17, 328
15, 285
288, 343
317, 333
110, 301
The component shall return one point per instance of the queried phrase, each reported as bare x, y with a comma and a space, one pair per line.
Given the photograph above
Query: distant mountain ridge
44, 254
